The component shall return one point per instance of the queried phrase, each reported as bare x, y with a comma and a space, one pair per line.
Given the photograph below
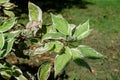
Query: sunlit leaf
62, 60
35, 13
60, 24
44, 71
2, 40
89, 52
7, 25
54, 36
85, 34
82, 31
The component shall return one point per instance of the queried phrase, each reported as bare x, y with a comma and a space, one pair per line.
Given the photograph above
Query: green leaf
35, 13
82, 31
8, 6
12, 34
85, 34
7, 25
76, 54
9, 42
21, 77
77, 58
9, 13
58, 46
3, 1
89, 52
48, 46
44, 71
51, 29
54, 36
61, 61
6, 75
61, 24
2, 40
7, 47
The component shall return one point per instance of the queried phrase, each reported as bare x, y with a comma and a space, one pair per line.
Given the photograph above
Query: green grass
104, 16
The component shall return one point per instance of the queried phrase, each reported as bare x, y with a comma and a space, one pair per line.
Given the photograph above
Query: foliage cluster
58, 44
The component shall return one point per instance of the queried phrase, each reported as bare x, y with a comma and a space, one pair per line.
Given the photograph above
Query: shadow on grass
58, 5
51, 5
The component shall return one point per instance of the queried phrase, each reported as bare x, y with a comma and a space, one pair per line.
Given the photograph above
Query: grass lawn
104, 16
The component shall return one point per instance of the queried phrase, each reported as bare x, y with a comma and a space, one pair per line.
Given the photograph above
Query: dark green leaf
77, 58
81, 62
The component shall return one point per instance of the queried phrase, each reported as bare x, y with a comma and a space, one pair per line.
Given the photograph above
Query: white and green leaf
82, 31
62, 61
7, 47
7, 25
76, 54
9, 13
21, 77
35, 13
8, 6
58, 47
44, 71
48, 46
12, 34
2, 41
6, 74
89, 52
53, 36
60, 24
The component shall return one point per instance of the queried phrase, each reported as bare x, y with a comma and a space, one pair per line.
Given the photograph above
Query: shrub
58, 44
